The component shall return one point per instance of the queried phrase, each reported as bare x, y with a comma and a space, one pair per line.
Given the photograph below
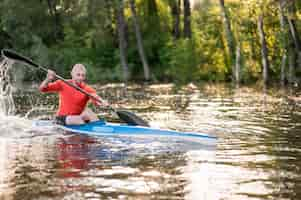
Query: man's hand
50, 75
99, 101
105, 103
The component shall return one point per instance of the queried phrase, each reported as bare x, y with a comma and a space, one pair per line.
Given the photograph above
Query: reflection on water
258, 153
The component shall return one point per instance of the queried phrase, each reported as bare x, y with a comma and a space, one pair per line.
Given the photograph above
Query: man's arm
99, 101
49, 78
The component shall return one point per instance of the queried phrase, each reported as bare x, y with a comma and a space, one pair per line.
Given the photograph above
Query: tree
294, 32
175, 12
231, 43
284, 41
291, 45
139, 41
187, 19
264, 50
237, 64
56, 16
121, 27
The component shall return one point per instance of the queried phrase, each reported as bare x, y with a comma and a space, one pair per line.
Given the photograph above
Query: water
257, 155
6, 100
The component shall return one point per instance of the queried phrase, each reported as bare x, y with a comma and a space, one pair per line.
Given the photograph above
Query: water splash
7, 106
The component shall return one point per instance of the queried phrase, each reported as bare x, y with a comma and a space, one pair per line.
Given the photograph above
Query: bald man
72, 103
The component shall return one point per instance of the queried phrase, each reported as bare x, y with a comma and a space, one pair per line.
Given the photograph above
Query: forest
178, 41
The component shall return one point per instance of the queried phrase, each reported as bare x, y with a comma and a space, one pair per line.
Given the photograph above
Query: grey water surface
257, 155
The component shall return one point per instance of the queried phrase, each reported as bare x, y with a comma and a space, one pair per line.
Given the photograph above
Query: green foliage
183, 62
86, 32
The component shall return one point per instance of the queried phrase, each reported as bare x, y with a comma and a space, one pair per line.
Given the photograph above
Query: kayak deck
103, 128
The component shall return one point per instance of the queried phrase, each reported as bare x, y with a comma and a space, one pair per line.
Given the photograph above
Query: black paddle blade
131, 119
16, 57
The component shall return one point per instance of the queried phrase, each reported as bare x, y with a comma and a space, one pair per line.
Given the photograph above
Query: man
72, 103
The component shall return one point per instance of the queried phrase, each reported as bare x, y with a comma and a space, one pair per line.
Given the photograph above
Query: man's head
78, 73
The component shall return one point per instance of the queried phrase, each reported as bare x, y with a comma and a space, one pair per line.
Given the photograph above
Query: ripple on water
257, 154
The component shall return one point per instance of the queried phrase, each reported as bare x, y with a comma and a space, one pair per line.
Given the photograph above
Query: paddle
126, 116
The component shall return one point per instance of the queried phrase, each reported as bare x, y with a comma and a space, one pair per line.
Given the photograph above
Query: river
257, 155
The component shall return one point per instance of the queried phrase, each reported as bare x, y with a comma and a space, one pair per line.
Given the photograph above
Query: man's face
78, 75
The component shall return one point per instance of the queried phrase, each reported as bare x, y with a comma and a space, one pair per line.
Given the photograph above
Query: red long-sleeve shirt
71, 101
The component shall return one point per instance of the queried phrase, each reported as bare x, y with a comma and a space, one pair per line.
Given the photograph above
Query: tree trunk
230, 37
152, 16
58, 27
284, 43
264, 50
139, 41
283, 69
122, 40
294, 31
237, 64
108, 27
187, 19
152, 8
296, 39
292, 64
294, 34
175, 12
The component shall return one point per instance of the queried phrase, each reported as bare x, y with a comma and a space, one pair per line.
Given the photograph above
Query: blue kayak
103, 128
